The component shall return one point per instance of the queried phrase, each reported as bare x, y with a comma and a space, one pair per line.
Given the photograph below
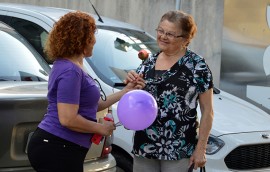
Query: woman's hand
131, 82
132, 77
107, 128
134, 81
198, 157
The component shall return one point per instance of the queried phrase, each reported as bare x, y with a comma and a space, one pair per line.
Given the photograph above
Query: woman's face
89, 48
169, 38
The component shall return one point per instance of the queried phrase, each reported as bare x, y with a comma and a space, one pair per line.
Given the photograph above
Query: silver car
23, 102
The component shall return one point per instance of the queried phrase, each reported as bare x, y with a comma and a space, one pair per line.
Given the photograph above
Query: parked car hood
23, 88
233, 115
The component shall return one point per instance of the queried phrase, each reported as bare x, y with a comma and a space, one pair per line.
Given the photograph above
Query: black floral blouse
172, 135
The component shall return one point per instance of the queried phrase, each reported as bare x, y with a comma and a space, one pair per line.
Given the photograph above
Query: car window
19, 61
116, 52
35, 34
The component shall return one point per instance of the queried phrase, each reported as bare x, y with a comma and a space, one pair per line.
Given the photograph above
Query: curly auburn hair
70, 35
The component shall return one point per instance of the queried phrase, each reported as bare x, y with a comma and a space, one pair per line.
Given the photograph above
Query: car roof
55, 13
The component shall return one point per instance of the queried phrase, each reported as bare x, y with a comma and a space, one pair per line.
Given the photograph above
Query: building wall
208, 15
245, 69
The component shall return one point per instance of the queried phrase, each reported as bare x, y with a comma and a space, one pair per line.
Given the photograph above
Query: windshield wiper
3, 79
119, 84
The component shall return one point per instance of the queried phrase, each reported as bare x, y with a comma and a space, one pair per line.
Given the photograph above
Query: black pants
49, 153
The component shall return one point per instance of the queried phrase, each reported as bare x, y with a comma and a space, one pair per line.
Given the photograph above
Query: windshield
116, 52
19, 61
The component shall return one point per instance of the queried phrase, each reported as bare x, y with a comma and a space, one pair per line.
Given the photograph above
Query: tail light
107, 148
106, 151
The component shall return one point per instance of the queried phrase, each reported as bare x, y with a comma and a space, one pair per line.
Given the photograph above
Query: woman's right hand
107, 128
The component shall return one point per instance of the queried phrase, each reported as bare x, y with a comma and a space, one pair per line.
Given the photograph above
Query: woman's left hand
198, 158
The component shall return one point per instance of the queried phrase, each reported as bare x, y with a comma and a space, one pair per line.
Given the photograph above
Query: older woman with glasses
179, 79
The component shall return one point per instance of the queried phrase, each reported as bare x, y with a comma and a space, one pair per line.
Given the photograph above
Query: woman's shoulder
194, 57
153, 57
64, 65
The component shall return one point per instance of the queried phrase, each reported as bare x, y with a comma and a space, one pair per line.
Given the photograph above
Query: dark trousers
49, 153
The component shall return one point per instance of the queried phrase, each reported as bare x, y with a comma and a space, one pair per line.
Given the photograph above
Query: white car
240, 136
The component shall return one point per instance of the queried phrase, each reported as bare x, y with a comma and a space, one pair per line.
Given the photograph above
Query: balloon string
118, 124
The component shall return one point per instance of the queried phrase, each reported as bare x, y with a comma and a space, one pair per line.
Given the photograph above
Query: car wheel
124, 162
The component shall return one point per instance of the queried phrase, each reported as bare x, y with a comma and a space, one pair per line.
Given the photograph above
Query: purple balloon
137, 110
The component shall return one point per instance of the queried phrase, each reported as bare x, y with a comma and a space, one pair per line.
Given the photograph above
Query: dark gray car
23, 102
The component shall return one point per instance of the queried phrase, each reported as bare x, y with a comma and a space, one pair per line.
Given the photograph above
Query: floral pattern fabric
172, 136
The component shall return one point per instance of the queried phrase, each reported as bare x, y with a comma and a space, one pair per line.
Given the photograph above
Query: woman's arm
69, 117
206, 106
138, 84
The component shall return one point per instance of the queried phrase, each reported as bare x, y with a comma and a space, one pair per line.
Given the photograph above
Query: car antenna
99, 18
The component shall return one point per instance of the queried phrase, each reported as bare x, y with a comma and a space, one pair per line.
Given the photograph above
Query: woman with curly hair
63, 137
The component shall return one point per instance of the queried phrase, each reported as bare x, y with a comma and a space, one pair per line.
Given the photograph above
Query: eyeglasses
169, 35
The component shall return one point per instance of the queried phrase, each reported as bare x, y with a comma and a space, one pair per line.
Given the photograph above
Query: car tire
124, 161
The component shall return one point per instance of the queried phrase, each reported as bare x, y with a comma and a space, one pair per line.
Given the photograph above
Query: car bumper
107, 164
217, 161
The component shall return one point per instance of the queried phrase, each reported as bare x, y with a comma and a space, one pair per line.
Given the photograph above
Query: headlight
214, 144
